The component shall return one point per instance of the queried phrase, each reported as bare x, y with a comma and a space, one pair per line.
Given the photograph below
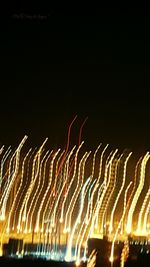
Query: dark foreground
32, 262
141, 262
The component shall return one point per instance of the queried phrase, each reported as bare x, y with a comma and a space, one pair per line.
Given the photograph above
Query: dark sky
58, 63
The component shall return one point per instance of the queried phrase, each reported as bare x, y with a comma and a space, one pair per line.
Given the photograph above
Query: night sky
58, 63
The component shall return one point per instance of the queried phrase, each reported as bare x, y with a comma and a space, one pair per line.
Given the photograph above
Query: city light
57, 199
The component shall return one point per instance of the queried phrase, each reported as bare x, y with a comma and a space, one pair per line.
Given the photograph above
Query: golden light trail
104, 182
51, 198
60, 199
92, 218
72, 201
68, 256
4, 158
38, 174
40, 195
37, 192
1, 149
56, 171
24, 185
86, 223
120, 190
115, 203
90, 202
94, 157
80, 132
69, 187
78, 186
133, 190
119, 225
137, 193
124, 254
81, 239
140, 229
2, 210
18, 192
107, 190
70, 184
144, 227
95, 211
92, 259
113, 175
46, 192
57, 184
23, 209
35, 170
67, 146
87, 216
18, 150
101, 163
63, 186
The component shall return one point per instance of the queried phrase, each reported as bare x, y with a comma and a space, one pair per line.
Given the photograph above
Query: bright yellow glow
109, 180
111, 259
72, 199
77, 189
120, 222
124, 254
78, 262
120, 190
64, 197
137, 193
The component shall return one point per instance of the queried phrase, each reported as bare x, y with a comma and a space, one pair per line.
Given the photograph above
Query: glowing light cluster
61, 198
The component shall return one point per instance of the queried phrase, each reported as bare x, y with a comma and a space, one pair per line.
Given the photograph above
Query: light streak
85, 228
92, 259
38, 173
101, 162
18, 150
120, 191
93, 166
104, 182
56, 171
80, 132
10, 173
137, 193
107, 190
4, 158
90, 202
78, 187
64, 183
134, 187
67, 147
24, 185
47, 190
86, 218
119, 225
18, 192
47, 199
35, 172
144, 228
124, 254
94, 214
43, 198
38, 190
69, 187
68, 256
139, 229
